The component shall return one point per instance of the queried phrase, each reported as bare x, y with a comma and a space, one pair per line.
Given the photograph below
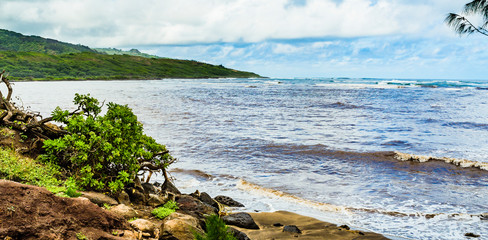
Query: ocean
404, 158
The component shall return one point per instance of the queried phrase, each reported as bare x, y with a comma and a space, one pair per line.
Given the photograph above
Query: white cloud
133, 22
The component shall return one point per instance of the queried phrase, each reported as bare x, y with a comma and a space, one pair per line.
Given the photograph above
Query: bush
216, 230
102, 152
164, 211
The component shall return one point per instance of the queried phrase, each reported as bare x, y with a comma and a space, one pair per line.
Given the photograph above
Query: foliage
26, 170
102, 152
132, 52
87, 65
164, 211
71, 188
81, 236
462, 25
12, 41
216, 230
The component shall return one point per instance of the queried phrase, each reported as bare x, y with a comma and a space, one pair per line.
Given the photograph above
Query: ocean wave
380, 156
327, 207
464, 163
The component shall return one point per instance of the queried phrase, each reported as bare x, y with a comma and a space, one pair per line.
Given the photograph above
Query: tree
462, 25
104, 152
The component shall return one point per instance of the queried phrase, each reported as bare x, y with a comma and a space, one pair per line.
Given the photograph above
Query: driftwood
24, 121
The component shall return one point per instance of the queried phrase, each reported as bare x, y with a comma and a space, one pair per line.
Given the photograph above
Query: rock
484, 216
149, 188
143, 225
345, 227
168, 187
204, 197
238, 234
136, 196
124, 211
277, 225
157, 184
193, 205
228, 201
180, 226
291, 229
154, 200
472, 235
99, 198
123, 198
138, 184
243, 220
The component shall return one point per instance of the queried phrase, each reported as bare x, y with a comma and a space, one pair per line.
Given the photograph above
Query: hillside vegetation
37, 58
12, 41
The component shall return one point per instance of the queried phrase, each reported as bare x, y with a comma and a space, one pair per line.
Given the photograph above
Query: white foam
455, 161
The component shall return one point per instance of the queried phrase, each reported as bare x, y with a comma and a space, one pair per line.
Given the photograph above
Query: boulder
136, 196
180, 226
149, 188
123, 198
143, 225
243, 220
192, 205
228, 201
238, 234
124, 211
291, 229
154, 200
204, 197
99, 198
168, 187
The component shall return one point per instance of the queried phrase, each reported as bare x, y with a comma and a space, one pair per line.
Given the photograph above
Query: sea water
405, 158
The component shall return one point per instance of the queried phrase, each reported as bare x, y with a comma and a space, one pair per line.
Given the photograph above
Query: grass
166, 210
26, 170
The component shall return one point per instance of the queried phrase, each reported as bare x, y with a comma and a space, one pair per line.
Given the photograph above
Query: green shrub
164, 211
102, 152
216, 230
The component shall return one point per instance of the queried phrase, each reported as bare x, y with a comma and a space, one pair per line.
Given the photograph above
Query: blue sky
274, 38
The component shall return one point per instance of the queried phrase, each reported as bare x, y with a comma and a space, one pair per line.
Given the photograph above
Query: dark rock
228, 201
192, 205
149, 188
157, 184
472, 235
291, 229
238, 234
204, 197
484, 216
277, 224
345, 227
360, 233
243, 220
136, 196
138, 184
123, 198
168, 187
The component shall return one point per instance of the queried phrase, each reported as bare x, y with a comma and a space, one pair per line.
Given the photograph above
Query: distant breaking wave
458, 162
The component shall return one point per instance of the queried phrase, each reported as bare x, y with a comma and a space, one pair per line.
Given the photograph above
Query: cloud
132, 22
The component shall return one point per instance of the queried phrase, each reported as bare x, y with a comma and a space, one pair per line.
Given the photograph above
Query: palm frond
477, 7
462, 25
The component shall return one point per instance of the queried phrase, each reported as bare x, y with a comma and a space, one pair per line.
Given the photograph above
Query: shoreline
272, 226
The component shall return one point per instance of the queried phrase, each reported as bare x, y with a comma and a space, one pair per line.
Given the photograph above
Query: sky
275, 38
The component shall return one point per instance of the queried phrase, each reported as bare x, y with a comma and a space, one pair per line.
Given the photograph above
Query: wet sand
311, 228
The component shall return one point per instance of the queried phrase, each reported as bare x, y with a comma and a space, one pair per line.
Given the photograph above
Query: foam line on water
458, 162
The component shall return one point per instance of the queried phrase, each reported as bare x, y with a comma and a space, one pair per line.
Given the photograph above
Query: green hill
132, 52
87, 65
37, 58
12, 41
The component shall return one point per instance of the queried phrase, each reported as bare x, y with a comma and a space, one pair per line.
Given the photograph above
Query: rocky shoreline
30, 212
